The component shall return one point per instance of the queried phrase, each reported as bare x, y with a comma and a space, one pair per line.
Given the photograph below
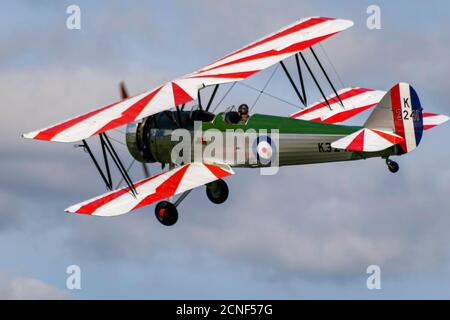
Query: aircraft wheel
166, 213
217, 191
393, 166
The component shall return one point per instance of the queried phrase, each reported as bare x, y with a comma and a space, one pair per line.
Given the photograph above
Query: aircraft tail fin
399, 112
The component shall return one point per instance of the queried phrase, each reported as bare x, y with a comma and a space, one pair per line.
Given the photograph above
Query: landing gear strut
217, 191
166, 213
392, 166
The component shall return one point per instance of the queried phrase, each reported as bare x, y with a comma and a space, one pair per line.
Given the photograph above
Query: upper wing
367, 140
153, 189
233, 67
355, 100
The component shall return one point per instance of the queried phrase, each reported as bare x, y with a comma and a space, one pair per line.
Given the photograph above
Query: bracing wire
119, 142
264, 88
332, 66
118, 130
224, 96
269, 95
128, 169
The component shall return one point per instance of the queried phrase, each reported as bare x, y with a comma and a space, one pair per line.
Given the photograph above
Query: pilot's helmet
243, 109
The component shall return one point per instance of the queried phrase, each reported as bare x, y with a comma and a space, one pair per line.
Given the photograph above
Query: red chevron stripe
303, 25
358, 143
392, 139
344, 115
90, 208
50, 133
429, 115
217, 171
165, 189
271, 53
130, 114
344, 96
232, 75
179, 95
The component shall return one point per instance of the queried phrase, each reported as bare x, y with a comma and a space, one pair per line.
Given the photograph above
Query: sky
309, 232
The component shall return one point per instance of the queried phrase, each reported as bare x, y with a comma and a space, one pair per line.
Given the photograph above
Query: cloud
10, 215
319, 221
23, 288
314, 222
309, 222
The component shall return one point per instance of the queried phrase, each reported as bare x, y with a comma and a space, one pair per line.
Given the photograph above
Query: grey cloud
11, 216
315, 221
14, 287
310, 222
322, 221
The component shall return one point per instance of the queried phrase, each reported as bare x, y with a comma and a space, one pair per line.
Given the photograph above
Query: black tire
217, 191
393, 166
166, 213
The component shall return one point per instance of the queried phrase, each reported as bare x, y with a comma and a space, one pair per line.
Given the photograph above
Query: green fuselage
300, 142
297, 141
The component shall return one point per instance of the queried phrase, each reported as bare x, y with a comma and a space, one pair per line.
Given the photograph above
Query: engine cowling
150, 140
137, 141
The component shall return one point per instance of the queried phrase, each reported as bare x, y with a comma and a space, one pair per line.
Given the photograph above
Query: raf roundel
264, 149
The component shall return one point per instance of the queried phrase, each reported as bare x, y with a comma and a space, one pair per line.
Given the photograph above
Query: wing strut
288, 75
302, 96
212, 97
315, 80
300, 75
108, 149
326, 76
88, 149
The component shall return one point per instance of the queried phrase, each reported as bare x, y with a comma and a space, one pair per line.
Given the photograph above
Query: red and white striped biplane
313, 134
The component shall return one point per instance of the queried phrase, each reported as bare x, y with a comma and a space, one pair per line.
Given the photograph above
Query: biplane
314, 134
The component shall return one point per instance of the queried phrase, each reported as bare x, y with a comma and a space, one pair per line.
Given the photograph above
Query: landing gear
217, 191
392, 166
166, 213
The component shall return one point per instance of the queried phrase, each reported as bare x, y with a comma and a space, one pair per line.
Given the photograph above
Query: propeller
124, 95
123, 91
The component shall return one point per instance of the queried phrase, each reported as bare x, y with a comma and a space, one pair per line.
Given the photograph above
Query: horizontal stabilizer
153, 189
355, 101
431, 120
367, 140
236, 66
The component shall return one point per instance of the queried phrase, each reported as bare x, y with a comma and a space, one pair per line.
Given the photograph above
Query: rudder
400, 111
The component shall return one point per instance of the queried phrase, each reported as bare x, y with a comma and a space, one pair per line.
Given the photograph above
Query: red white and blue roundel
264, 149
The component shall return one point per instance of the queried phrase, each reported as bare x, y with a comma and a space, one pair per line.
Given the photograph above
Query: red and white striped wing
355, 100
368, 140
153, 189
233, 67
271, 50
431, 120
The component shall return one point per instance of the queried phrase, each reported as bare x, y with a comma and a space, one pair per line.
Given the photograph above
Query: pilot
243, 113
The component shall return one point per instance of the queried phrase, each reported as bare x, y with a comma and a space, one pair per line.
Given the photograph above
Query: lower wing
153, 189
